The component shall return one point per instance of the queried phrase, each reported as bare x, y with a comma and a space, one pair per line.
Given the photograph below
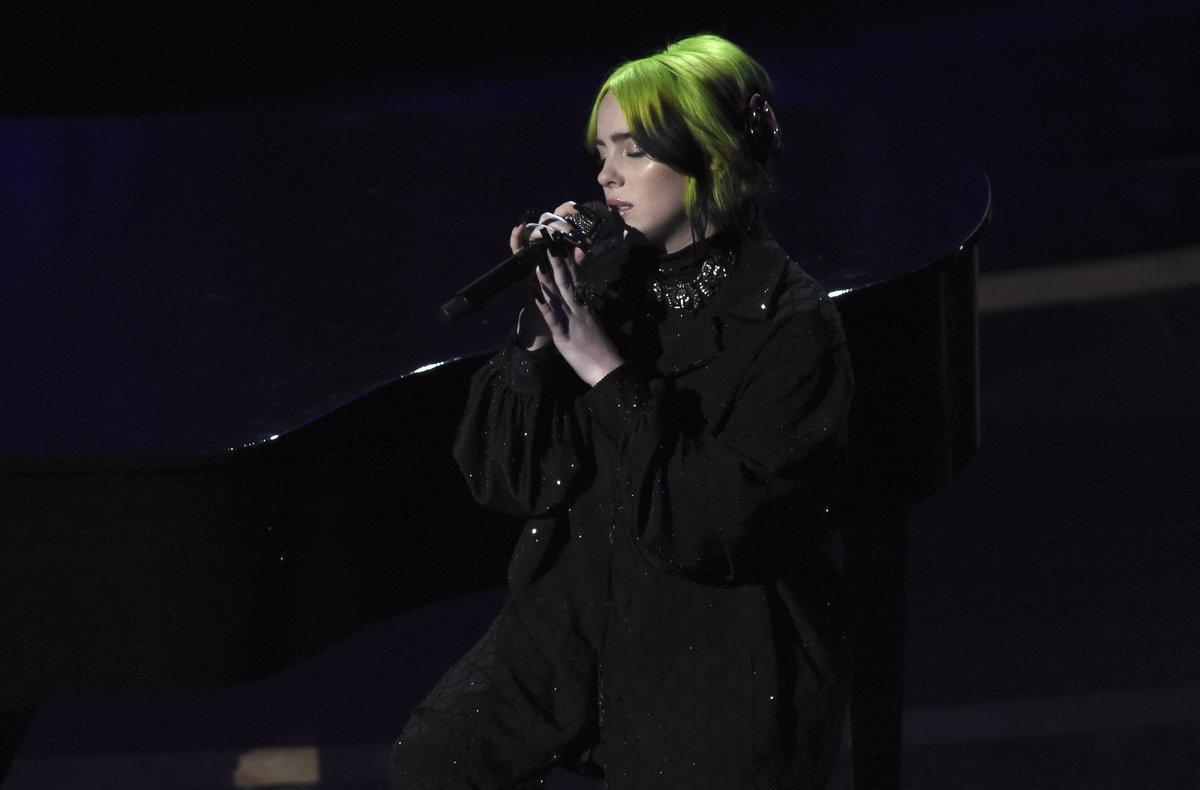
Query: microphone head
599, 223
595, 229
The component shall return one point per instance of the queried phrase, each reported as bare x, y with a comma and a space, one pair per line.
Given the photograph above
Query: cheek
666, 188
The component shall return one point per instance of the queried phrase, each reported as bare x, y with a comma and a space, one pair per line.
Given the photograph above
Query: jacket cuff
618, 399
529, 370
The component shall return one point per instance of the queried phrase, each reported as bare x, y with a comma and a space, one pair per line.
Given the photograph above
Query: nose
608, 177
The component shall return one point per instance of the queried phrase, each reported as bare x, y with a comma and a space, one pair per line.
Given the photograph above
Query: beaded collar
692, 290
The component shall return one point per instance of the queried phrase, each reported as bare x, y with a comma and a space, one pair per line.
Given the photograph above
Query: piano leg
874, 539
13, 724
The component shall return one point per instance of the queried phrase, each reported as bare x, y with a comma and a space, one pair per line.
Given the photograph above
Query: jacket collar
749, 295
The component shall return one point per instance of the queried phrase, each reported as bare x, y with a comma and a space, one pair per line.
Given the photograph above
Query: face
654, 190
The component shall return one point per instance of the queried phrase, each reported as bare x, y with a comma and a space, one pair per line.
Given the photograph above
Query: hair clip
761, 127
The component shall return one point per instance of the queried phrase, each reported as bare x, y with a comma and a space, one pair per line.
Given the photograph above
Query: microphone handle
601, 234
492, 283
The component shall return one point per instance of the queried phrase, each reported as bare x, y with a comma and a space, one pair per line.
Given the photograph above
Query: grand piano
228, 403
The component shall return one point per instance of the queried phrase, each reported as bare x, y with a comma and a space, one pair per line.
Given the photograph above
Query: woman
669, 417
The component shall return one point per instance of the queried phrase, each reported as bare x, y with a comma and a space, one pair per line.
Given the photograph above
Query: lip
619, 203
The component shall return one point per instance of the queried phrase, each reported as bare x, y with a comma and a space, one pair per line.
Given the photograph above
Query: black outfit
675, 615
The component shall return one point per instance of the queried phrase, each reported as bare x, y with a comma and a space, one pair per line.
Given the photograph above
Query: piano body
228, 403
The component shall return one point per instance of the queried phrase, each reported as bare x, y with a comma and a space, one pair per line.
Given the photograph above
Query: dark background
1052, 615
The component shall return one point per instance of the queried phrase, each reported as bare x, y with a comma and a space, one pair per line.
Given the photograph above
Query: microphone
596, 233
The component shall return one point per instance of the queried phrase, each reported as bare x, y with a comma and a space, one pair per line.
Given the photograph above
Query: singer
670, 417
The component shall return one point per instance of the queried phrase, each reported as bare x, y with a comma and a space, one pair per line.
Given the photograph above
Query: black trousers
501, 718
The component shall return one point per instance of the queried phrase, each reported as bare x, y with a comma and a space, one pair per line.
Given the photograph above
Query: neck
684, 238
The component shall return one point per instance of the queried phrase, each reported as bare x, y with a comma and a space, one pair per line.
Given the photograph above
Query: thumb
578, 254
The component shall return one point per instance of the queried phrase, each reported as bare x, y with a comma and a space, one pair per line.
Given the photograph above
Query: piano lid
186, 284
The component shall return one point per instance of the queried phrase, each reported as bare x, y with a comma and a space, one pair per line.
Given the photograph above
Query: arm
705, 506
518, 441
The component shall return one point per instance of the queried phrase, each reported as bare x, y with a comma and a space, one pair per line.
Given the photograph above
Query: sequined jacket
675, 572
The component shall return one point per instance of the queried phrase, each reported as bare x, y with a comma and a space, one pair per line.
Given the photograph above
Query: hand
574, 328
532, 332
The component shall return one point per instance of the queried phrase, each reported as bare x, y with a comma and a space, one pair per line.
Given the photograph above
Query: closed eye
630, 154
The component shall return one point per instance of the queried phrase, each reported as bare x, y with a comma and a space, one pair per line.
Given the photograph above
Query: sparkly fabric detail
675, 615
692, 293
667, 321
686, 279
519, 442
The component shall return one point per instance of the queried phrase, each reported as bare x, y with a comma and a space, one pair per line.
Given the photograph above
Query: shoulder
798, 293
797, 303
800, 298
807, 326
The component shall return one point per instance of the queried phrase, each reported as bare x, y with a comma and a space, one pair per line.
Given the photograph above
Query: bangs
647, 94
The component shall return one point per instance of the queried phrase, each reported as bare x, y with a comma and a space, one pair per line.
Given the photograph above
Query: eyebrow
616, 137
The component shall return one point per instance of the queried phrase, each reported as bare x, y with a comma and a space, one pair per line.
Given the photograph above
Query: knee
427, 755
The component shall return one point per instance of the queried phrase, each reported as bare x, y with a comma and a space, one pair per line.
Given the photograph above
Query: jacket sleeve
708, 507
519, 441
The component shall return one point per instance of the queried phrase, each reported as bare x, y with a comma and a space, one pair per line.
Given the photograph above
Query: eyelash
630, 154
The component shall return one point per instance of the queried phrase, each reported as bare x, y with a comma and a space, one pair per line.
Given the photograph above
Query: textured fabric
679, 266
675, 615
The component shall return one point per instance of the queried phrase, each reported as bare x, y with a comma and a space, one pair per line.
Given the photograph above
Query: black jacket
676, 574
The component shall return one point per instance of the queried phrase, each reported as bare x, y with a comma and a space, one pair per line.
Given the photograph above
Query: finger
570, 270
549, 318
573, 269
564, 281
549, 285
565, 210
555, 264
551, 314
556, 221
515, 242
527, 231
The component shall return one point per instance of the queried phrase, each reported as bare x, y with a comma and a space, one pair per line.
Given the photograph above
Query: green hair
684, 107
